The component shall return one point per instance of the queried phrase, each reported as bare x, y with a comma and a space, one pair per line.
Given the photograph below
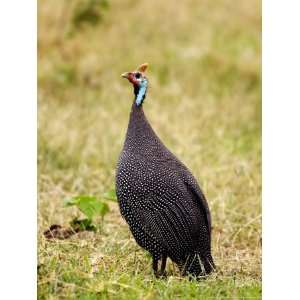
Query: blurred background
204, 101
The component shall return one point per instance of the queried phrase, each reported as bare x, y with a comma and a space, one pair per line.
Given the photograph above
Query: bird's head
139, 82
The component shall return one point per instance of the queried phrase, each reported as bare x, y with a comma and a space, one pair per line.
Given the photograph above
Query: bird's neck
138, 121
140, 92
139, 132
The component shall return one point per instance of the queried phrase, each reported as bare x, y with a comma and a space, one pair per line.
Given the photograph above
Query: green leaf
70, 201
111, 195
82, 224
91, 206
103, 209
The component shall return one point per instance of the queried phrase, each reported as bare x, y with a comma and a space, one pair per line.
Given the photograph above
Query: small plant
88, 12
82, 224
111, 195
92, 207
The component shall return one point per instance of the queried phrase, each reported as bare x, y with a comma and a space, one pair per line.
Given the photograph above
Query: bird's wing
199, 197
174, 219
172, 226
191, 184
194, 189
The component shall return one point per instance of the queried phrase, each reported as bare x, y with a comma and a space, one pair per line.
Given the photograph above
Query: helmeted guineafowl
158, 196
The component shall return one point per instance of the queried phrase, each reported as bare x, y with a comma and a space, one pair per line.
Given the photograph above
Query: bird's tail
197, 264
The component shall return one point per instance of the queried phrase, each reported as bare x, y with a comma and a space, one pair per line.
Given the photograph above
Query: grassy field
204, 101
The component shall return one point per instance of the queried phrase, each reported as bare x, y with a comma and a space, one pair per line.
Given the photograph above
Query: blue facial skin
142, 92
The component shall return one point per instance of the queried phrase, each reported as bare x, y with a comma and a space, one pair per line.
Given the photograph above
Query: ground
204, 101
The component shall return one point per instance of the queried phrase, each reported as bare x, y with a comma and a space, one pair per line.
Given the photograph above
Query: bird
159, 198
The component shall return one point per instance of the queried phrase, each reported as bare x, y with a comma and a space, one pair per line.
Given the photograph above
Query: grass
203, 101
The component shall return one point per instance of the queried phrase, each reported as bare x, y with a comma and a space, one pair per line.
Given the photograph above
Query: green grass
204, 103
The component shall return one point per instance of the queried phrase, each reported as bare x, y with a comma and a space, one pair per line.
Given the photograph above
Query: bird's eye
138, 75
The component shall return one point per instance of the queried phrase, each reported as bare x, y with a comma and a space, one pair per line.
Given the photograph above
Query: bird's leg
162, 272
155, 267
163, 265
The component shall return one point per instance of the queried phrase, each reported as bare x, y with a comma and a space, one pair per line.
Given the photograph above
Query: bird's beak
125, 75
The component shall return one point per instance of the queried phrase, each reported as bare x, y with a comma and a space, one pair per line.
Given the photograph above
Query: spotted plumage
159, 198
